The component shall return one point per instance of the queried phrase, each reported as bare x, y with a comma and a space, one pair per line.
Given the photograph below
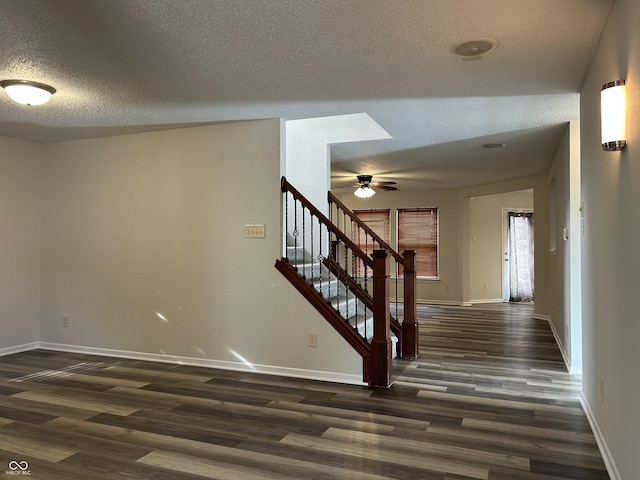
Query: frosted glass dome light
364, 192
27, 92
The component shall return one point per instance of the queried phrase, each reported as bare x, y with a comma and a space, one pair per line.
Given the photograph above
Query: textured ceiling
125, 66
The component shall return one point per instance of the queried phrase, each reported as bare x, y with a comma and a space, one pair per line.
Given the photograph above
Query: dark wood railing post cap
380, 254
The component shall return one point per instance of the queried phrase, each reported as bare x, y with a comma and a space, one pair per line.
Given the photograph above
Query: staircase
346, 304
349, 287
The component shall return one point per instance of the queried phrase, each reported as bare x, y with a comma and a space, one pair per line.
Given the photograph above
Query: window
418, 230
378, 221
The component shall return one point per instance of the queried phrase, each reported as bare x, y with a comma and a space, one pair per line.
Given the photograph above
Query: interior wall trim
486, 300
207, 362
565, 356
609, 463
18, 348
452, 303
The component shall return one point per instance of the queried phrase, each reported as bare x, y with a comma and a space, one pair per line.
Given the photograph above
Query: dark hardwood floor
489, 398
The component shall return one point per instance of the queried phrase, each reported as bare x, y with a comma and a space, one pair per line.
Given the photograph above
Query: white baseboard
565, 357
209, 363
612, 469
457, 303
597, 433
486, 300
452, 303
18, 348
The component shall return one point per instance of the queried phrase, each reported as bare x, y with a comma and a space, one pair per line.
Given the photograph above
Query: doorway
518, 279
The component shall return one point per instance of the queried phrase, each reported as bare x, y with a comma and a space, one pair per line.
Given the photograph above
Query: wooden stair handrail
384, 245
287, 187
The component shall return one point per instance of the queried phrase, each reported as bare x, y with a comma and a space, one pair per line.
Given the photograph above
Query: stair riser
297, 255
330, 289
347, 308
309, 271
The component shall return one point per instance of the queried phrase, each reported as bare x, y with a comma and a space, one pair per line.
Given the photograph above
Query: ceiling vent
474, 49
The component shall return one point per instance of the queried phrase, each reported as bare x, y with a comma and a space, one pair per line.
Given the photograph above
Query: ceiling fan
367, 189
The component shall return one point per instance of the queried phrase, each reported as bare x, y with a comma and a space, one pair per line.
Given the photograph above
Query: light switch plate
254, 231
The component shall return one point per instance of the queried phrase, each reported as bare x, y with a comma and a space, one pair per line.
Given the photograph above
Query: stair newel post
285, 230
410, 323
380, 368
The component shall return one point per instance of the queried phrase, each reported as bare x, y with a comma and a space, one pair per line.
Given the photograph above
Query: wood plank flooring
489, 398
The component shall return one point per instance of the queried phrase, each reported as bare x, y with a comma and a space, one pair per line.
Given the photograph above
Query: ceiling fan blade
383, 187
384, 183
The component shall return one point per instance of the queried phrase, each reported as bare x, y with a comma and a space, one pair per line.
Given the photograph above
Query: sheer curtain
521, 257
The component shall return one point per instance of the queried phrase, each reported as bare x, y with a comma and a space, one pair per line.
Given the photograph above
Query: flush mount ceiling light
27, 92
474, 49
613, 115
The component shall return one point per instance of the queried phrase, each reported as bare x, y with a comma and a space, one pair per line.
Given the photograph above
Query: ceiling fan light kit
364, 192
27, 92
366, 188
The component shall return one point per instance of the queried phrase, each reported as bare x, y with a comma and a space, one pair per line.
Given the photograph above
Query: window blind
418, 230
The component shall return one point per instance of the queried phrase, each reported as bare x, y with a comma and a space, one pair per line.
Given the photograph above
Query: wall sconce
613, 115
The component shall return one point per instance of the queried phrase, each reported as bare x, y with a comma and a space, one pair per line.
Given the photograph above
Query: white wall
307, 165
486, 254
143, 250
564, 261
611, 254
540, 186
20, 179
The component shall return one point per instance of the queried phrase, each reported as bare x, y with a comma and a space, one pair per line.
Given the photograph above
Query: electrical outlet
65, 320
486, 286
312, 340
254, 231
